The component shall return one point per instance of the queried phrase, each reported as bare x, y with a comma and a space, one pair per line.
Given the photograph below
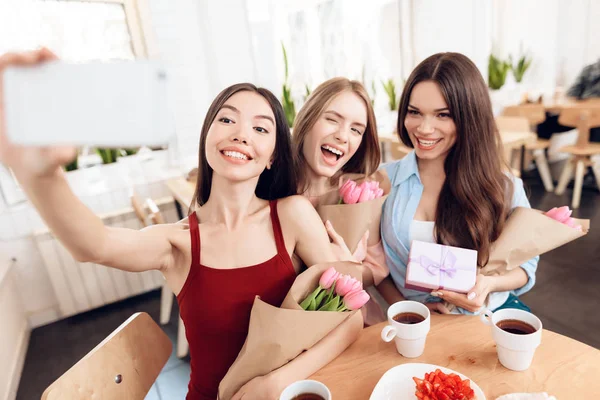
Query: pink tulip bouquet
336, 292
356, 207
277, 335
352, 193
563, 215
528, 233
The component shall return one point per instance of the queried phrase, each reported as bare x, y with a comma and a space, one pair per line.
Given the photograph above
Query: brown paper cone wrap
529, 233
351, 221
278, 335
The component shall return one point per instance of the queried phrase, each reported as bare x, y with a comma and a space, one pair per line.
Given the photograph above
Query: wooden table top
562, 367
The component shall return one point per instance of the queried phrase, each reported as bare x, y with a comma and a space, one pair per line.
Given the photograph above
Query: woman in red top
215, 259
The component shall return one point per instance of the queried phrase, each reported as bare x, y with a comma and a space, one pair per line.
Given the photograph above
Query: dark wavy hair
277, 182
476, 197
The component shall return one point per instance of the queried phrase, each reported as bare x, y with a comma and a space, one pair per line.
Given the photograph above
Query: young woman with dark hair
236, 243
454, 188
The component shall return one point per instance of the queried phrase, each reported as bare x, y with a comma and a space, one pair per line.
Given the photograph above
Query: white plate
397, 383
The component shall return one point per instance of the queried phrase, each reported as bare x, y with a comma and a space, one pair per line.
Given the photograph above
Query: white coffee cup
304, 387
515, 351
409, 338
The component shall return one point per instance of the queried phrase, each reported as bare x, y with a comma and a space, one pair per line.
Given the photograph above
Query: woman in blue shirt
453, 188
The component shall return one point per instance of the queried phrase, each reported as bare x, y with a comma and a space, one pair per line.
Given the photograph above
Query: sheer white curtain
325, 39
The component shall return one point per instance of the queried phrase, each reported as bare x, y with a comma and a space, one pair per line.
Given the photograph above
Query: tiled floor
566, 298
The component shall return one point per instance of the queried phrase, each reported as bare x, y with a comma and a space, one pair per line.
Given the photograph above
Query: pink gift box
432, 266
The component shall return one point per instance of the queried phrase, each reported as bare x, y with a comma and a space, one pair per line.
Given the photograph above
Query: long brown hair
277, 182
475, 198
368, 155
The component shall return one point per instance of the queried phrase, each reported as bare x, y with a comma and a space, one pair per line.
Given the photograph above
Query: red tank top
215, 306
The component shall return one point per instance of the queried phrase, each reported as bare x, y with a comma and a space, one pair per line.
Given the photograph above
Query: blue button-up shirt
399, 211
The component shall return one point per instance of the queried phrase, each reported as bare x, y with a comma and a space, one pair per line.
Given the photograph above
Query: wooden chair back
535, 113
583, 118
125, 365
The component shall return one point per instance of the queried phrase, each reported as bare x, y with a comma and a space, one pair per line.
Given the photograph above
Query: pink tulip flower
563, 215
355, 300
356, 287
352, 196
328, 277
345, 284
352, 193
366, 194
347, 187
560, 214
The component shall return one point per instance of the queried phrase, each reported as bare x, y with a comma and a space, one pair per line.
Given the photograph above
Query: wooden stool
125, 365
512, 124
149, 214
584, 118
535, 115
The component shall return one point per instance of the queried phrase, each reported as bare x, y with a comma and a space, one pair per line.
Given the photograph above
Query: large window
77, 31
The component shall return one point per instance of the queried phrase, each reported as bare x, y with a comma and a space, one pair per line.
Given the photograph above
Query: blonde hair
368, 155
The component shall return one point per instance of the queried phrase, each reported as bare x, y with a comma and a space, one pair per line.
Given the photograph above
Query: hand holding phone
50, 103
27, 161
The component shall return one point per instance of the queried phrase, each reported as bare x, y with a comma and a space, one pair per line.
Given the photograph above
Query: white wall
14, 335
459, 26
562, 36
531, 27
578, 38
178, 31
225, 32
207, 46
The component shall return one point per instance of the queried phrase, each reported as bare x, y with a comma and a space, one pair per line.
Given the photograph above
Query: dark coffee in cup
308, 396
408, 318
516, 326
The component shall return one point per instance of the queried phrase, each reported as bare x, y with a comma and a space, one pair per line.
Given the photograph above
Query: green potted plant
497, 70
520, 67
110, 156
390, 89
287, 101
73, 165
307, 91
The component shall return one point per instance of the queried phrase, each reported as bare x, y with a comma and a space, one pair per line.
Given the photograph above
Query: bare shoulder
295, 208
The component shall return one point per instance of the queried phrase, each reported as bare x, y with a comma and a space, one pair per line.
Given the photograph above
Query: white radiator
80, 287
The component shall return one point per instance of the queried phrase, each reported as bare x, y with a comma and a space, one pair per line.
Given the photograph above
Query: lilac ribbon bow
446, 266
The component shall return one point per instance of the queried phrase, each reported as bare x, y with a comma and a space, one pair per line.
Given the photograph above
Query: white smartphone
116, 104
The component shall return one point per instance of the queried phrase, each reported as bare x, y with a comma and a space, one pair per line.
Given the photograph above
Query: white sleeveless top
421, 231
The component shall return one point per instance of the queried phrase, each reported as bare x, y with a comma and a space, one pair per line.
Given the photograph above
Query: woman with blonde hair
335, 134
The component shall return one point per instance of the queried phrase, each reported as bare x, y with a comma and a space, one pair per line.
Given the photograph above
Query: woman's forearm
514, 279
77, 227
320, 354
